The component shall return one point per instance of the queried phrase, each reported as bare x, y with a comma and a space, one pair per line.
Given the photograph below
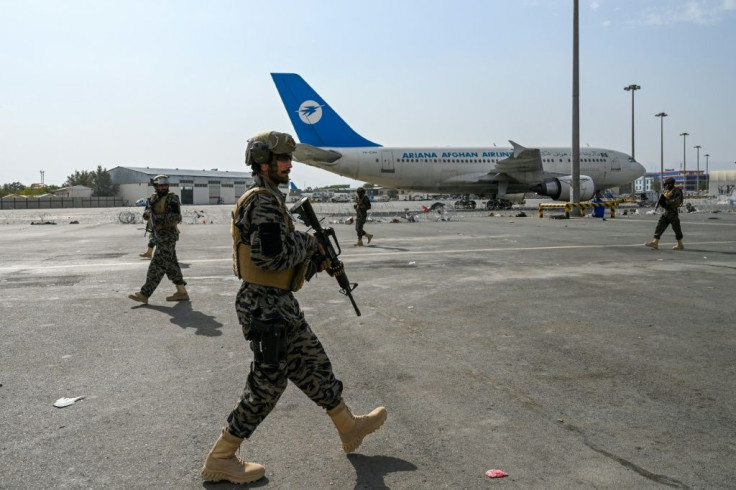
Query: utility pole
661, 117
684, 161
575, 107
707, 175
633, 88
697, 174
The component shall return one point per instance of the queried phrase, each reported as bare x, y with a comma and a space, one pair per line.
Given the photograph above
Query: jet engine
560, 188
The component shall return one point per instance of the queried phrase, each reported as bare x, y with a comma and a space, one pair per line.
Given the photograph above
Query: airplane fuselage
471, 170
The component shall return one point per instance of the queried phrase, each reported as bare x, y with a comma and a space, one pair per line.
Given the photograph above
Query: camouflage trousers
304, 362
359, 222
163, 262
665, 220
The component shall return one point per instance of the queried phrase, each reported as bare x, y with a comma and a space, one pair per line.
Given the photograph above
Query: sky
184, 83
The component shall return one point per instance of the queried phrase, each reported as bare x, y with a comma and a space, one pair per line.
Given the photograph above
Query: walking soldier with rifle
670, 200
165, 215
273, 260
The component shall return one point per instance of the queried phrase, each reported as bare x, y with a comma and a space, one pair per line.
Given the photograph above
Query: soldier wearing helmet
362, 205
670, 200
163, 210
272, 258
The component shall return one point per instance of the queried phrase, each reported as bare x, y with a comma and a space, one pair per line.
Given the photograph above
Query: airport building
688, 180
193, 186
722, 183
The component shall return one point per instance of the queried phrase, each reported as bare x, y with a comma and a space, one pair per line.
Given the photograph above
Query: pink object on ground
496, 474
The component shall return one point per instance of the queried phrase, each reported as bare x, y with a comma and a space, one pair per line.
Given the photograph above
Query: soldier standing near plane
272, 258
362, 205
165, 214
670, 200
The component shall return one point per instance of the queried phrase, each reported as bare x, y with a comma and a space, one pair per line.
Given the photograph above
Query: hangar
192, 186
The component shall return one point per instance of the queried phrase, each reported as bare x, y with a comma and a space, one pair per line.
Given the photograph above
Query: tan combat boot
353, 429
179, 295
359, 243
223, 464
654, 243
679, 246
138, 296
147, 254
369, 237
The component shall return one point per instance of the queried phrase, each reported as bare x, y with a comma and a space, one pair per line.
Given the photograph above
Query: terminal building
688, 180
193, 186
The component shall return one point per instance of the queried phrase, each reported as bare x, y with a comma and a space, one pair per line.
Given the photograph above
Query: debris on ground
496, 474
65, 402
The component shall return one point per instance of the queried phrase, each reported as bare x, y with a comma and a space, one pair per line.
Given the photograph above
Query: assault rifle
325, 237
660, 202
151, 224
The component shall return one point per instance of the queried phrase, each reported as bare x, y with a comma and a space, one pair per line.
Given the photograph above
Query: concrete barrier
582, 206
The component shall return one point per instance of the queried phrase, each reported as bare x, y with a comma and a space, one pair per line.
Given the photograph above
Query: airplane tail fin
293, 186
315, 122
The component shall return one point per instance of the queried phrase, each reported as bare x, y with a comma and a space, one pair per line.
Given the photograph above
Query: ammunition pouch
291, 279
268, 340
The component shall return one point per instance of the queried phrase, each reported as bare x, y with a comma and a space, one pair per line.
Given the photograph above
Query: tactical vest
159, 208
291, 279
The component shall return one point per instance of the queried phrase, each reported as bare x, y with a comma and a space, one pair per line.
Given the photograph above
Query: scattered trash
412, 263
496, 474
521, 214
42, 223
75, 222
65, 402
411, 307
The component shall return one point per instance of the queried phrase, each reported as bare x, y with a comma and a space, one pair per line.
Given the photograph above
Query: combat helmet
264, 145
160, 180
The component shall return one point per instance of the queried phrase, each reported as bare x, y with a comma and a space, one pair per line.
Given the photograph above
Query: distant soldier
165, 215
272, 258
670, 200
362, 205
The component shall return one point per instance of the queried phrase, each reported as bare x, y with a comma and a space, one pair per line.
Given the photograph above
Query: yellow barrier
582, 206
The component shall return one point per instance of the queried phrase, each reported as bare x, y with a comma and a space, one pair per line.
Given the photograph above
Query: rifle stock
303, 209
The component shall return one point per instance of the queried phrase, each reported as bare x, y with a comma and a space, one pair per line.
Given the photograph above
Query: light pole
707, 176
661, 117
684, 161
697, 173
633, 88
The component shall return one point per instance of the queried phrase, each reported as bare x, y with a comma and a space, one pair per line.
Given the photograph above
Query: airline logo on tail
315, 122
310, 112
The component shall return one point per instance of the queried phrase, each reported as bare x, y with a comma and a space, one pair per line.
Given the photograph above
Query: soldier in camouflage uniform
164, 210
272, 258
362, 205
670, 200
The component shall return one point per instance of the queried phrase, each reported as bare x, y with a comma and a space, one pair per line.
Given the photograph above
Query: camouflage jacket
672, 200
363, 204
261, 225
166, 221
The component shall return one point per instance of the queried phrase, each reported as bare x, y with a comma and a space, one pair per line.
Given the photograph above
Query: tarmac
561, 351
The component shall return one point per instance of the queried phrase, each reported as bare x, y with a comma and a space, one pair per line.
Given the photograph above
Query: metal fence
59, 202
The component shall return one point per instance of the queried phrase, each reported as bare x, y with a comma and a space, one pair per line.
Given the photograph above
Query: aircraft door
387, 162
615, 164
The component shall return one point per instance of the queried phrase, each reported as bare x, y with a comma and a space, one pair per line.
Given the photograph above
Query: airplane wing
523, 160
524, 166
311, 155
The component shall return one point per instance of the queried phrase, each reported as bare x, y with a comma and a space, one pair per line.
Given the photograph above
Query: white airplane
329, 143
